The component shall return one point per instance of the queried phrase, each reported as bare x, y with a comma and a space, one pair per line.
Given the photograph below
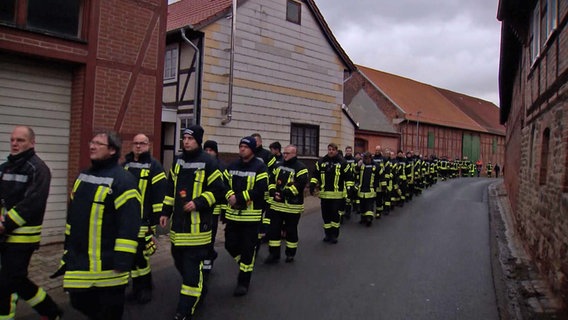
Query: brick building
68, 68
533, 76
423, 118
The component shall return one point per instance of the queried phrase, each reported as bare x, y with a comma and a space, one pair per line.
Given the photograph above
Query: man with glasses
24, 188
152, 187
101, 234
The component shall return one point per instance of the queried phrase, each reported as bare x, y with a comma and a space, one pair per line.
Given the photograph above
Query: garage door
38, 94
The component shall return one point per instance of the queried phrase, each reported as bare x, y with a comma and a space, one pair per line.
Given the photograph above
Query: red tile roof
428, 104
196, 12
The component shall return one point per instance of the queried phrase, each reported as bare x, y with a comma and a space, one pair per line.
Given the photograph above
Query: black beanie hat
196, 131
250, 142
211, 145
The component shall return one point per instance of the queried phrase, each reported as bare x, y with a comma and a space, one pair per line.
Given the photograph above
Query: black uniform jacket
248, 181
24, 187
289, 179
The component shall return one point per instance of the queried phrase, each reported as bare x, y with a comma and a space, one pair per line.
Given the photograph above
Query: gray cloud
453, 44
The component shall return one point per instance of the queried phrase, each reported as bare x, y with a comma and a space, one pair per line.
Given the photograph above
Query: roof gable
199, 13
368, 115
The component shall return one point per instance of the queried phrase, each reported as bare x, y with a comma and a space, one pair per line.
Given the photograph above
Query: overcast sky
452, 44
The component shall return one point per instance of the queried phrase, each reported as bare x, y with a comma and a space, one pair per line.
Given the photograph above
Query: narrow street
427, 260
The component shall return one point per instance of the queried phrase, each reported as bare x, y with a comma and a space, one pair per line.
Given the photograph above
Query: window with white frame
535, 33
306, 139
171, 63
183, 123
551, 16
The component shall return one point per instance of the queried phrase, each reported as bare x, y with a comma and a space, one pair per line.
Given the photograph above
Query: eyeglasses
97, 143
140, 143
286, 153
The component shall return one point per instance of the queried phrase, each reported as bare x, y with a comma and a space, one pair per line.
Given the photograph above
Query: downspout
229, 110
197, 70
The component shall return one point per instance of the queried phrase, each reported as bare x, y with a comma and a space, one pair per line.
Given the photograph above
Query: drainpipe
197, 70
229, 110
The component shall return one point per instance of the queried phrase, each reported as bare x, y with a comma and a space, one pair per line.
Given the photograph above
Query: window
431, 140
544, 156
171, 63
293, 11
535, 34
59, 17
306, 138
551, 16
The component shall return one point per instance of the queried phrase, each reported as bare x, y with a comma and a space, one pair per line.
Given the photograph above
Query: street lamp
417, 127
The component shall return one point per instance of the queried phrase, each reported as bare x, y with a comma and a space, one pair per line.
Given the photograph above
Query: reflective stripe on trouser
241, 239
289, 223
14, 284
189, 263
366, 209
330, 216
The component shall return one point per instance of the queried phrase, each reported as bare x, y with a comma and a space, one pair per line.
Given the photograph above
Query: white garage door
38, 94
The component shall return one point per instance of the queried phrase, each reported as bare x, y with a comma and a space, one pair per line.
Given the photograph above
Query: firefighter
152, 187
211, 147
101, 234
286, 187
269, 160
489, 169
367, 184
350, 194
247, 180
380, 206
194, 185
24, 188
330, 175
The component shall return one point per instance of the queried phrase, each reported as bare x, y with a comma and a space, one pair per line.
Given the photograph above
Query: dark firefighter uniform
330, 175
194, 176
367, 183
489, 169
287, 183
350, 193
24, 187
380, 206
267, 214
248, 182
152, 187
101, 238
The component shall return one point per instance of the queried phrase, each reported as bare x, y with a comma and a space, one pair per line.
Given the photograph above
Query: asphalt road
427, 260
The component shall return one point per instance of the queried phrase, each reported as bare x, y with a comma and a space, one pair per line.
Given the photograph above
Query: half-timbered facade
267, 66
533, 78
68, 68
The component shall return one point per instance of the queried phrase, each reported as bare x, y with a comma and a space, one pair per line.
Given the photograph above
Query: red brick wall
540, 102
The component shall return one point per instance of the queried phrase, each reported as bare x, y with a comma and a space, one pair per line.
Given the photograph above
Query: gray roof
368, 114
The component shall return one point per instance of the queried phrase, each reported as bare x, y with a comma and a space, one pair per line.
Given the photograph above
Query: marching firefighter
489, 169
194, 185
287, 183
381, 206
101, 235
247, 180
330, 175
350, 193
24, 188
367, 184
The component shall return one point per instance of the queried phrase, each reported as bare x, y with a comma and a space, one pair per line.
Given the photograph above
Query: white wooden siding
39, 96
284, 73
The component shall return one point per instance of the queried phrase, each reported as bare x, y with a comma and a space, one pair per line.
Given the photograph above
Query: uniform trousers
289, 223
188, 260
99, 303
330, 214
241, 239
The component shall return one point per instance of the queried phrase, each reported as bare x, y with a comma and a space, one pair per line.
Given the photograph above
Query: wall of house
539, 194
373, 140
116, 73
284, 73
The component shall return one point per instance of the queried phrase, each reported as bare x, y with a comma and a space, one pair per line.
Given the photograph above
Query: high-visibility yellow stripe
125, 196
125, 245
208, 195
169, 201
214, 176
11, 309
292, 245
198, 183
190, 239
158, 177
13, 214
157, 207
88, 279
95, 228
38, 298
